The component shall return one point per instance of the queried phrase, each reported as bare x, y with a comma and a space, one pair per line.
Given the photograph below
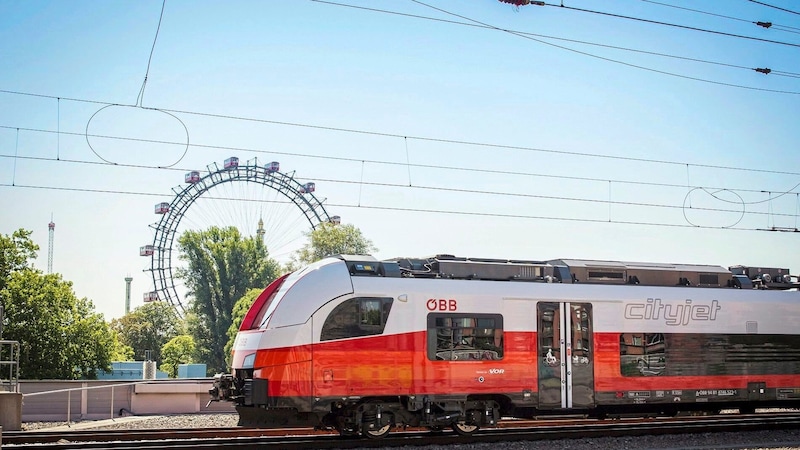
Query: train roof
671, 267
568, 270
339, 275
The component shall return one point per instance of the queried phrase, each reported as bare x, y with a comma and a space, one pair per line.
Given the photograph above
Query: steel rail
238, 438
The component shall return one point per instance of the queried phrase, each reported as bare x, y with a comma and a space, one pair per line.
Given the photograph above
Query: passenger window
703, 354
357, 317
458, 337
642, 354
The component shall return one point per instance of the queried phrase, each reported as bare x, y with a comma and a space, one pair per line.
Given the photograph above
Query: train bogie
362, 346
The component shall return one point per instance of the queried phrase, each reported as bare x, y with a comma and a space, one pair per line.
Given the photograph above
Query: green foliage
120, 351
222, 267
16, 252
239, 311
330, 239
91, 341
148, 328
177, 351
60, 336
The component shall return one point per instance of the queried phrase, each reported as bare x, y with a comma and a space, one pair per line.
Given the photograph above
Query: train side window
465, 337
642, 354
356, 317
549, 330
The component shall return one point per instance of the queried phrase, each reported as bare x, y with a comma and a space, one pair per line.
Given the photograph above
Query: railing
84, 388
9, 366
134, 397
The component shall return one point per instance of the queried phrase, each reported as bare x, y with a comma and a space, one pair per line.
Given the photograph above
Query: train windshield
310, 274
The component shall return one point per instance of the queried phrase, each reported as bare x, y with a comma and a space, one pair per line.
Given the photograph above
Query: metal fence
9, 366
78, 400
84, 402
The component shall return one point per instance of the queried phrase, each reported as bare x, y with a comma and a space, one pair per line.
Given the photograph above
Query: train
363, 346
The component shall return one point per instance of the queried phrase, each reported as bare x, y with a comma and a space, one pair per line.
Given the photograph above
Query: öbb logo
441, 304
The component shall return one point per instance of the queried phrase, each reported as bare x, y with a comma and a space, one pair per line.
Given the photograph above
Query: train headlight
249, 361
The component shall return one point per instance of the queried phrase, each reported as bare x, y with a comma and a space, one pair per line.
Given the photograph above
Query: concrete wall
10, 411
177, 396
53, 400
173, 396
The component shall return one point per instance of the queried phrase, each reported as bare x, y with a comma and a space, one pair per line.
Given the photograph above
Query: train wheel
377, 433
463, 429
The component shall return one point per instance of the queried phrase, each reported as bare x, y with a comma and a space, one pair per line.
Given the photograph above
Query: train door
566, 362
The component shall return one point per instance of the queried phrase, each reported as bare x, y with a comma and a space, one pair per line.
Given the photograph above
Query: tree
60, 336
177, 351
332, 239
91, 342
239, 311
120, 351
222, 267
148, 328
16, 253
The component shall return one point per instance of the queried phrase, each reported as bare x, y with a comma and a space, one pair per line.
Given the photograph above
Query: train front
270, 380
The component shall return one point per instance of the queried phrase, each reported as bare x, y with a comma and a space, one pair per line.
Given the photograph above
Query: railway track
245, 438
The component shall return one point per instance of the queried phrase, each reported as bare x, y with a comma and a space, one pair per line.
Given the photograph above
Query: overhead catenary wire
185, 145
418, 178
591, 55
16, 152
574, 41
140, 97
524, 33
433, 211
712, 191
484, 170
775, 7
757, 22
407, 163
686, 27
58, 128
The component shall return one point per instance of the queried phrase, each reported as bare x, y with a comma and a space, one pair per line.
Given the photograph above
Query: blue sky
430, 136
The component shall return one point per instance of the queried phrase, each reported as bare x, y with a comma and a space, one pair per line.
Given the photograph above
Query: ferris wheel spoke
233, 195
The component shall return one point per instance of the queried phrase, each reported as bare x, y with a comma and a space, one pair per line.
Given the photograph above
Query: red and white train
362, 345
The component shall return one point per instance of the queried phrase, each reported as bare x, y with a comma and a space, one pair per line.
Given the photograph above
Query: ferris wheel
291, 207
